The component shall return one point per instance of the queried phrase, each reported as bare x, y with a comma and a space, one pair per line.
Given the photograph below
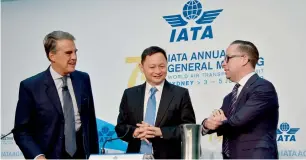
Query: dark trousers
255, 153
80, 153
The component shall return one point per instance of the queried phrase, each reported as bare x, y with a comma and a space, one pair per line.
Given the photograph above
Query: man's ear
245, 60
140, 67
51, 56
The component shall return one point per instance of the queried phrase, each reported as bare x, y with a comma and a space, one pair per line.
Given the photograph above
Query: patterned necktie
234, 98
69, 129
231, 110
150, 119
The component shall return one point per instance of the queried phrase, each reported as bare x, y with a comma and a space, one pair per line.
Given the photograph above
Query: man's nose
224, 63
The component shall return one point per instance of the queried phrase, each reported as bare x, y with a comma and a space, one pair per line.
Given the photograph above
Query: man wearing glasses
248, 117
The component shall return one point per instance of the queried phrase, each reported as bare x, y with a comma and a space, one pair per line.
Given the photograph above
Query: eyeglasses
227, 58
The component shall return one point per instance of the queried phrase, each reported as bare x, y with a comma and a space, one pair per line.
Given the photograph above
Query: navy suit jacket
251, 129
175, 109
39, 120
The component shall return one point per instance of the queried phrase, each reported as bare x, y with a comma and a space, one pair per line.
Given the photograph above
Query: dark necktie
231, 110
69, 129
234, 99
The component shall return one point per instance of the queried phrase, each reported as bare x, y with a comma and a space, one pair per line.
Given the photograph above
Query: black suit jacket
39, 120
251, 129
175, 109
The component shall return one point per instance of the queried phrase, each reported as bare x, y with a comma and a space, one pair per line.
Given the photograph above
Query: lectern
119, 156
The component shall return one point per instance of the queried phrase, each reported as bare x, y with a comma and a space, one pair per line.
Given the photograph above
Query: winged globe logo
105, 134
285, 133
192, 11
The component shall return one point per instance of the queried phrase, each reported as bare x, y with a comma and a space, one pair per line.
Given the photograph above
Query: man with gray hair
55, 115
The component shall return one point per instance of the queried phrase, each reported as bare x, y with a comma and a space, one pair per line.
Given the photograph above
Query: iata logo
285, 133
105, 134
192, 12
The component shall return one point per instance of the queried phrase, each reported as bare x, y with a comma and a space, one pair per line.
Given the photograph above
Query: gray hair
51, 38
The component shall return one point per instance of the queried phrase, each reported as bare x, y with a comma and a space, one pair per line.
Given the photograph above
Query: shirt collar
244, 80
54, 74
158, 87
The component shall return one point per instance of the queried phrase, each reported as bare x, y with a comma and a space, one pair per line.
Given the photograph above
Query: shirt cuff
204, 129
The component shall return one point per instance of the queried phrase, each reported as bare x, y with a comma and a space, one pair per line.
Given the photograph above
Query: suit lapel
165, 100
51, 92
77, 88
245, 90
139, 110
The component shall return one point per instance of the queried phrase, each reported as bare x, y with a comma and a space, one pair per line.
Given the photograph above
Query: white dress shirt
157, 97
243, 81
59, 84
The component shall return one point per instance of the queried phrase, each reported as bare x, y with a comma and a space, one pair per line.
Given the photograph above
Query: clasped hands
215, 120
145, 131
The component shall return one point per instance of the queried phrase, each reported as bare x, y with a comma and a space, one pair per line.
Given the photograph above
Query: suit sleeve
186, 116
23, 124
122, 121
221, 131
93, 135
262, 99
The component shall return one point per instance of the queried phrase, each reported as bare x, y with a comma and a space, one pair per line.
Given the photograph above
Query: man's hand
219, 115
148, 131
156, 131
41, 157
137, 132
214, 121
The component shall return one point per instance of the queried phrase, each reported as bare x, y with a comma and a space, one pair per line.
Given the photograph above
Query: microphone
2, 137
12, 131
65, 88
16, 128
111, 139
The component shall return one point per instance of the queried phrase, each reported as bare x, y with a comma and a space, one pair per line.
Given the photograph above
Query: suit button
61, 137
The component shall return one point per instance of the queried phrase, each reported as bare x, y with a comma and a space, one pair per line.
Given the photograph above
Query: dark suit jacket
39, 120
251, 129
175, 108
